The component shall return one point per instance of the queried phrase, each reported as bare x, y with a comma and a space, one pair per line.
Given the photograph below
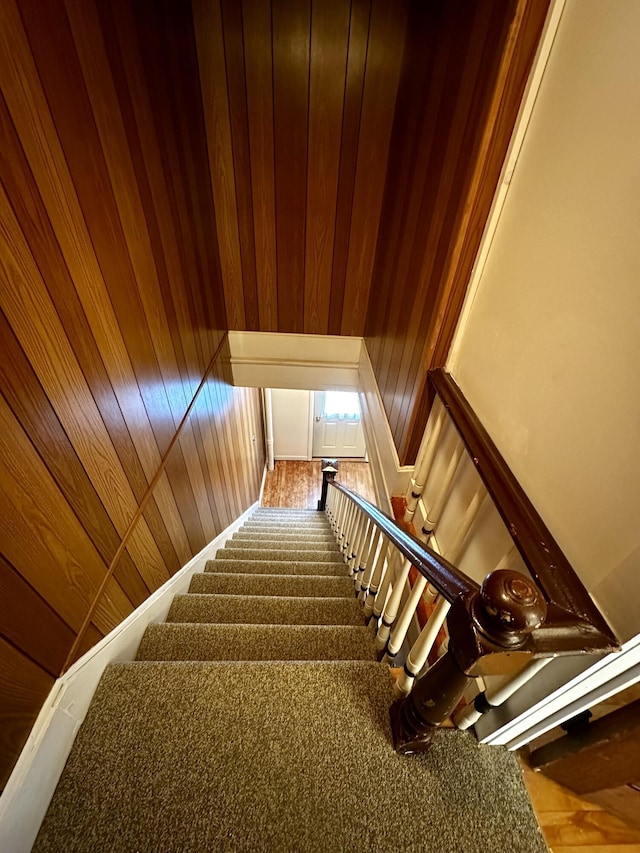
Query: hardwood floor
570, 823
297, 484
573, 825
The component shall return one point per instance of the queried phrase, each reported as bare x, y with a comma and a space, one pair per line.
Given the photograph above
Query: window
341, 404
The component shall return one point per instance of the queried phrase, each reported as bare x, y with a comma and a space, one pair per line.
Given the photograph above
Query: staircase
256, 718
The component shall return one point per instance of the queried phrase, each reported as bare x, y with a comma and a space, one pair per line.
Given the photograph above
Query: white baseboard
30, 787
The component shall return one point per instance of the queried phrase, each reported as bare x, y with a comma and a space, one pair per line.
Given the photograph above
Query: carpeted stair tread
224, 563
176, 641
248, 584
278, 544
263, 610
297, 520
288, 528
299, 555
261, 535
300, 509
287, 518
185, 757
292, 523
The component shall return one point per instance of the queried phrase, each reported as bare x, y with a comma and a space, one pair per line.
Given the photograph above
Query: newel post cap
508, 607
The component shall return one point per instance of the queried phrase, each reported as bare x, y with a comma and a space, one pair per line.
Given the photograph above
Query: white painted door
337, 428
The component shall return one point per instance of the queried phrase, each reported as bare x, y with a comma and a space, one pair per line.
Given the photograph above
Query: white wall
548, 350
280, 360
292, 411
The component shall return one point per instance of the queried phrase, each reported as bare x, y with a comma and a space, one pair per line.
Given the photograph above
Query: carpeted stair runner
256, 719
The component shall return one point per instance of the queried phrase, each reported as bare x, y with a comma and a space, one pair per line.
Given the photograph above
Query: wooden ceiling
299, 100
354, 149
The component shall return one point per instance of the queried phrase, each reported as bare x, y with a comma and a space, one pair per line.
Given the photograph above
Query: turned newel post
497, 619
329, 471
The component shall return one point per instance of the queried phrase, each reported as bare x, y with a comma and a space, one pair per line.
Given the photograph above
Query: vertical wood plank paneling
37, 526
329, 40
422, 82
356, 67
502, 106
50, 35
258, 55
457, 67
171, 59
147, 132
111, 307
442, 134
210, 40
29, 623
237, 90
473, 78
384, 58
167, 173
110, 125
23, 688
291, 49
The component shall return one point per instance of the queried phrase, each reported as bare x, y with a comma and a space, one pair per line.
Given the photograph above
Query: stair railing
510, 618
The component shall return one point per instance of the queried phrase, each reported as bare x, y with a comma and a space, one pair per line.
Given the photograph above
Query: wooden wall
464, 72
299, 99
111, 308
167, 174
355, 147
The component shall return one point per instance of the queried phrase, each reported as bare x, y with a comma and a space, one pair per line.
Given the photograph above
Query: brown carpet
282, 750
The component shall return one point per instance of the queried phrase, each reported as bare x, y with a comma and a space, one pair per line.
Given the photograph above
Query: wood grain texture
355, 148
111, 308
454, 117
169, 171
258, 56
23, 688
294, 484
298, 100
291, 57
329, 39
571, 824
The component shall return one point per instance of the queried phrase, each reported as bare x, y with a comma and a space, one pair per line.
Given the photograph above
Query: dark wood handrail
573, 622
445, 577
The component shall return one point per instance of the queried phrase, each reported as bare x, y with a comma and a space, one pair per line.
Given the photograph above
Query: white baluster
361, 551
394, 564
391, 607
350, 531
374, 551
341, 526
495, 696
366, 552
334, 503
430, 592
401, 627
328, 506
426, 455
435, 510
382, 560
361, 523
341, 512
456, 547
421, 648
